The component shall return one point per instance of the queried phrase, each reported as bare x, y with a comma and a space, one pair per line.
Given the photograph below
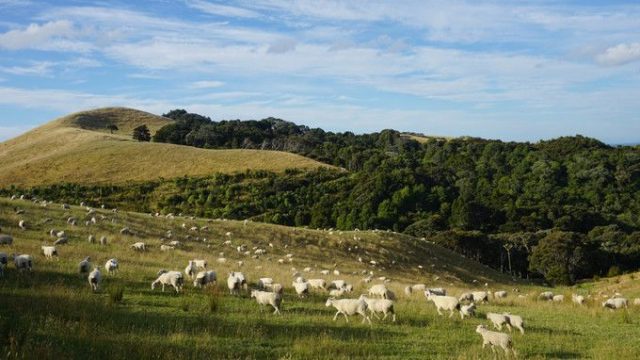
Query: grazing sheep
443, 302
317, 283
200, 264
438, 291
111, 266
94, 279
268, 298
173, 278
235, 281
577, 299
495, 339
277, 288
61, 241
265, 283
49, 251
336, 292
139, 246
103, 240
23, 262
84, 265
480, 296
166, 247
126, 231
190, 270
302, 288
337, 284
498, 320
349, 307
467, 310
205, 278
383, 306
414, 288
22, 225
92, 239
558, 298
466, 297
378, 290
616, 303
500, 294
547, 295
6, 239
515, 321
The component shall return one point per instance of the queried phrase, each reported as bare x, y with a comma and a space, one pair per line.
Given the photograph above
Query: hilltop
79, 148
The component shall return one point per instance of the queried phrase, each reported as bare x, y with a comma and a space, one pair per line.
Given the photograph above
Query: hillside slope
79, 148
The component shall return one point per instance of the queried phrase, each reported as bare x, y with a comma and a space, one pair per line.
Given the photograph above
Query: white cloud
222, 10
39, 69
282, 46
620, 54
206, 84
48, 35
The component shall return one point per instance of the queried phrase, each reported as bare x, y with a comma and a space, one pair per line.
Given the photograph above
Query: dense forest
562, 209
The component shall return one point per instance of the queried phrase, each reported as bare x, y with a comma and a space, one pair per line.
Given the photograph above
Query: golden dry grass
62, 151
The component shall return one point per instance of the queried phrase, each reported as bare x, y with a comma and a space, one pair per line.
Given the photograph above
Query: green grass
52, 313
78, 149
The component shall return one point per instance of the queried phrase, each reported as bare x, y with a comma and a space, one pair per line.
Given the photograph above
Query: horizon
523, 71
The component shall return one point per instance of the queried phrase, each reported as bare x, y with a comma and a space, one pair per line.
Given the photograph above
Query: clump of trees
141, 133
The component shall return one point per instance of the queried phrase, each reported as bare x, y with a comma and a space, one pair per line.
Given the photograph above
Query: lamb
467, 310
235, 281
577, 299
6, 239
138, 246
414, 288
190, 270
378, 290
558, 298
443, 302
616, 303
111, 266
349, 307
23, 262
495, 339
268, 298
173, 278
302, 288
49, 251
84, 265
547, 295
383, 306
515, 321
498, 320
205, 278
94, 279
480, 296
317, 283
265, 283
500, 294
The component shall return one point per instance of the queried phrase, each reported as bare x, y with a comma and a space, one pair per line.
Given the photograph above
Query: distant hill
80, 148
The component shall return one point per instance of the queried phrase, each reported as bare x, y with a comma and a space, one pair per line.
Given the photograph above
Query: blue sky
513, 70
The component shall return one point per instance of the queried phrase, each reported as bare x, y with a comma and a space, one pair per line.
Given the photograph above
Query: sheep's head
481, 328
329, 302
254, 293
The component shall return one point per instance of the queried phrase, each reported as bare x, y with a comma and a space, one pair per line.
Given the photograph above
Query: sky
510, 70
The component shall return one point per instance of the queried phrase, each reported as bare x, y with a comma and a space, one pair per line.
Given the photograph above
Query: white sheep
200, 264
577, 299
268, 298
443, 302
495, 339
235, 281
498, 320
139, 246
190, 270
205, 278
302, 288
103, 240
349, 307
414, 288
6, 239
546, 295
480, 296
438, 291
22, 225
636, 301
500, 294
23, 262
379, 290
515, 321
616, 303
92, 239
337, 284
467, 310
111, 266
558, 298
84, 265
49, 251
383, 306
265, 283
164, 247
126, 231
95, 277
317, 284
173, 278
336, 293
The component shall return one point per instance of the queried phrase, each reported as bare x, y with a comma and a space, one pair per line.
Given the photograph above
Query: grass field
52, 313
77, 149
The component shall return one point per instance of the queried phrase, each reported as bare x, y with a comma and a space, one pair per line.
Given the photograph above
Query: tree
559, 257
112, 128
141, 133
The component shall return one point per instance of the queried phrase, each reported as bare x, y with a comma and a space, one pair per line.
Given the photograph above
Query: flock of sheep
379, 300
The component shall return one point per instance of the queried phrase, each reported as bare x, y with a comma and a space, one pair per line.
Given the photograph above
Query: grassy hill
79, 148
52, 313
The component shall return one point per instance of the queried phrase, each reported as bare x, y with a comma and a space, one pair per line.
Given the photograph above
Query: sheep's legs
346, 317
451, 314
439, 313
336, 316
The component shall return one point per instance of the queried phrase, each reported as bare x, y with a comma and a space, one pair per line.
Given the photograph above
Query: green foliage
142, 133
560, 257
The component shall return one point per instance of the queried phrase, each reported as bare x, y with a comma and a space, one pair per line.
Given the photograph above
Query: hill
52, 313
78, 148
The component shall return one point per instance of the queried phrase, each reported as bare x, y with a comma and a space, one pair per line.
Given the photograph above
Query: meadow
52, 313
